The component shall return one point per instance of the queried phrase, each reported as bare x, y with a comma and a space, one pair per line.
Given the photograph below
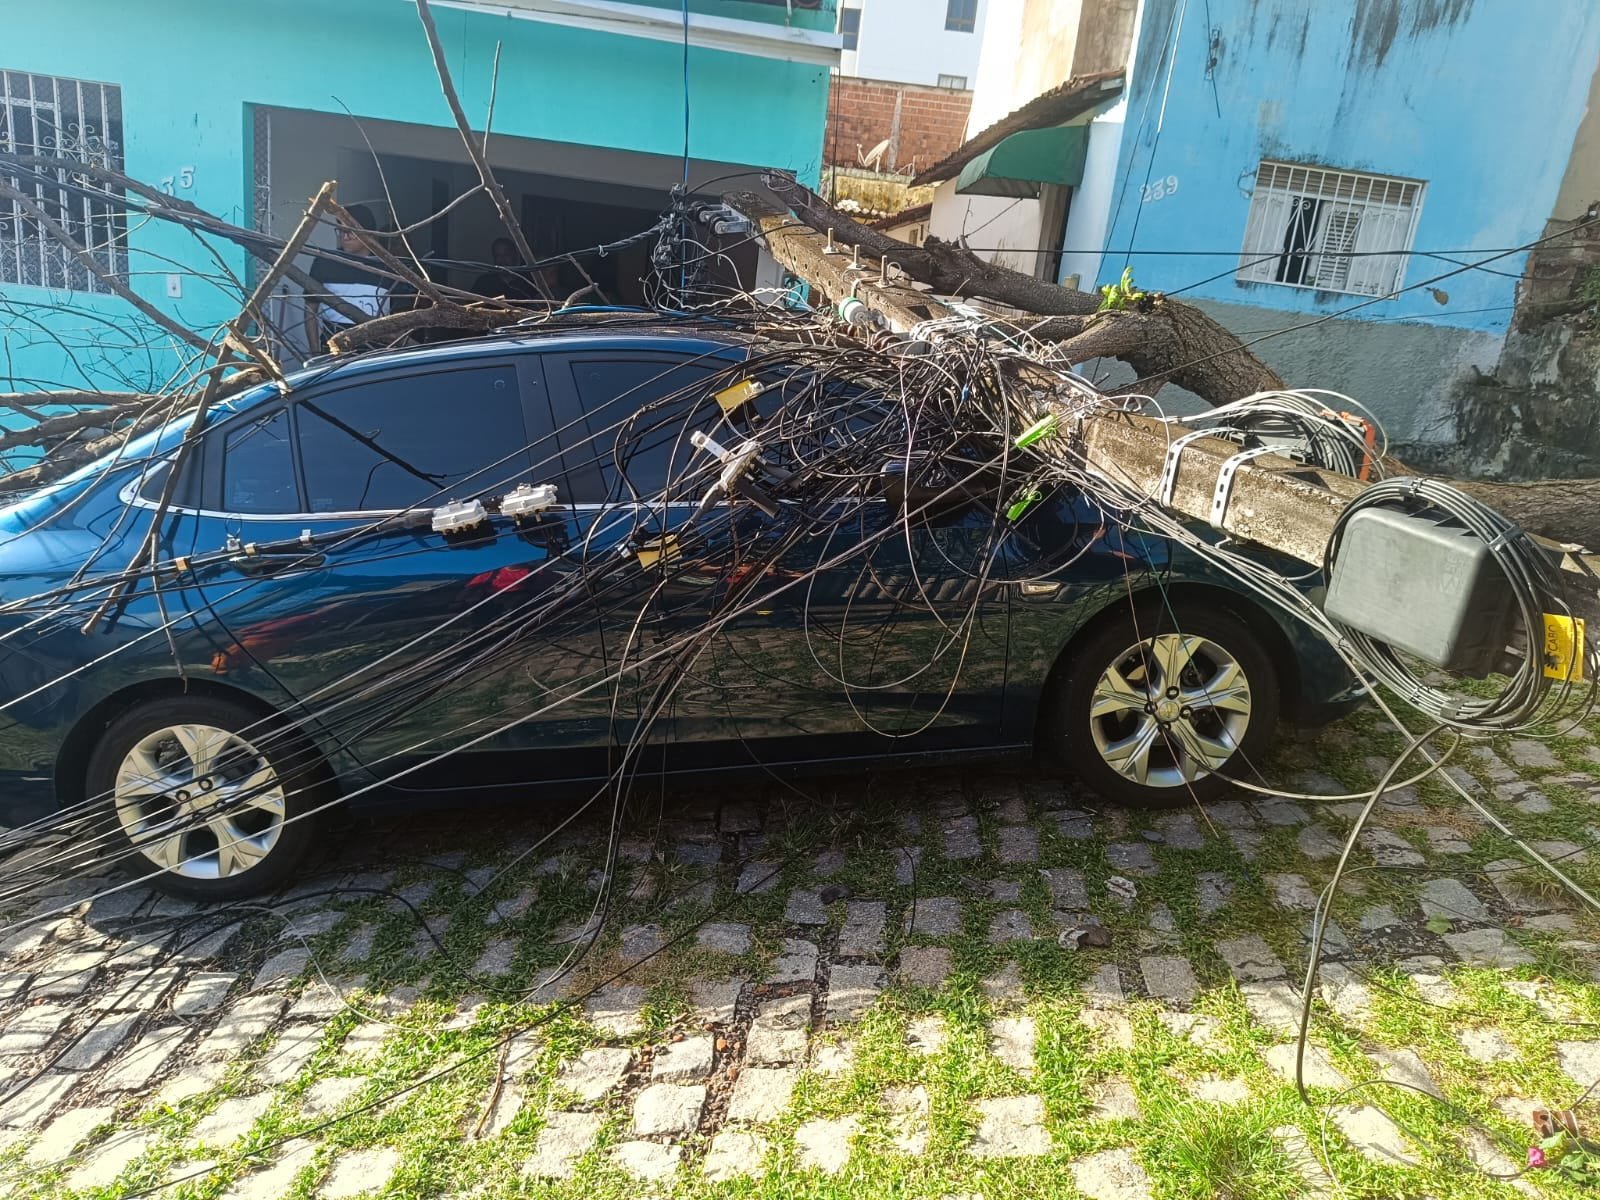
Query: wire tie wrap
1504, 538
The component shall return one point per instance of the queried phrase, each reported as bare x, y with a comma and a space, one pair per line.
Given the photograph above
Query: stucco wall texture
1480, 99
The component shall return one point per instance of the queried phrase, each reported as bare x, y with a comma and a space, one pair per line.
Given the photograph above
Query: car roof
627, 330
683, 335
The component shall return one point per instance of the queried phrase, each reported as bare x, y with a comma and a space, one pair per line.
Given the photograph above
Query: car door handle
274, 564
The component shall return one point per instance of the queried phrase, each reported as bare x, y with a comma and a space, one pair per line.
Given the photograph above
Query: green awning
1023, 161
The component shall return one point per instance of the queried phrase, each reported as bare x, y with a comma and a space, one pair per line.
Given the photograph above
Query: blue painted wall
1480, 98
188, 71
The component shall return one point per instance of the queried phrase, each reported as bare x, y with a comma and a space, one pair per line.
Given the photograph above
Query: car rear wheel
218, 798
1164, 704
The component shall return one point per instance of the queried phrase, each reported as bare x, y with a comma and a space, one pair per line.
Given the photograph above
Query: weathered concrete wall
1031, 46
1537, 417
1558, 268
1408, 375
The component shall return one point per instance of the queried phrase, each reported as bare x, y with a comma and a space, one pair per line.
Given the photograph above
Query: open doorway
569, 198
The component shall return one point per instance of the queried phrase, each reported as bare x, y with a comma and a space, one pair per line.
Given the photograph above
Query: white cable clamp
735, 462
1225, 473
1169, 467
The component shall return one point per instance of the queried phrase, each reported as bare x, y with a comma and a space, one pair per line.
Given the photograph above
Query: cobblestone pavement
874, 986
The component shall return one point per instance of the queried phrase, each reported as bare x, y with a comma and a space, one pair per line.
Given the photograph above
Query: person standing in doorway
356, 284
508, 280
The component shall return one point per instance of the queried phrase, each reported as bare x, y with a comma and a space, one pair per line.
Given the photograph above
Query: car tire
251, 788
1130, 739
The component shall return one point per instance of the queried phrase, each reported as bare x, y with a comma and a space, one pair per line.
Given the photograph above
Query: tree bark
1565, 510
1163, 339
378, 330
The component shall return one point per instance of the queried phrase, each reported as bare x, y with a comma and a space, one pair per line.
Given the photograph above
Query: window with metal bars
1334, 231
48, 117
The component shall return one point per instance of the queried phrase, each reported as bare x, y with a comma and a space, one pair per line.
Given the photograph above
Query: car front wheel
1166, 703
218, 799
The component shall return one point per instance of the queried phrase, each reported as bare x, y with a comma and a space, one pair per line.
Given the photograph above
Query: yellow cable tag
654, 552
1563, 648
731, 397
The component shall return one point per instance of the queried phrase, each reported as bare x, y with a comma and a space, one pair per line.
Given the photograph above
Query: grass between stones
447, 1069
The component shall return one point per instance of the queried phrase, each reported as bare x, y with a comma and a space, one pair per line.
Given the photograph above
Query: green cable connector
1042, 428
1023, 503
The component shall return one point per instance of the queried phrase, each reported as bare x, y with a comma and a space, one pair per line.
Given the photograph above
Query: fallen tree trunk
479, 318
1164, 340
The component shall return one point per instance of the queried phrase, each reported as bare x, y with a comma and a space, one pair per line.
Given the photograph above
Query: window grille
961, 16
1334, 231
959, 82
61, 118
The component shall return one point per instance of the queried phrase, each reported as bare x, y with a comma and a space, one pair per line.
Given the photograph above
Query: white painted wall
1092, 202
994, 85
999, 230
905, 41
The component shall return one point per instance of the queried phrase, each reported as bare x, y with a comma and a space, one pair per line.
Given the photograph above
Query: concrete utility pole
1273, 501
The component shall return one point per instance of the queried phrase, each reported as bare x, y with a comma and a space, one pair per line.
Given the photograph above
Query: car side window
258, 466
606, 391
402, 441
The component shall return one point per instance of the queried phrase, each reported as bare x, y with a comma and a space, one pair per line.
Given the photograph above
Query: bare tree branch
25, 202
383, 330
173, 210
48, 429
496, 192
26, 401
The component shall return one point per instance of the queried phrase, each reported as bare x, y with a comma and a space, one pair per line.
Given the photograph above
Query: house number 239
1159, 190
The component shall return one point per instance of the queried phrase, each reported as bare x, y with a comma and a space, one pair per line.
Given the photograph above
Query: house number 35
182, 181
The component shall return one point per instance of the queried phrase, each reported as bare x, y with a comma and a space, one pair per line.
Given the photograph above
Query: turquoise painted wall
1480, 98
188, 70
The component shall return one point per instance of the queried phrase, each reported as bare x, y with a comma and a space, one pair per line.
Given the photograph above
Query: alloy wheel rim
1170, 710
199, 801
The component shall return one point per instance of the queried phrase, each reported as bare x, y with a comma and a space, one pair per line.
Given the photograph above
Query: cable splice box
459, 516
527, 500
1425, 585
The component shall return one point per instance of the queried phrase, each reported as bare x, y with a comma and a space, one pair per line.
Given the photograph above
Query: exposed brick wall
924, 124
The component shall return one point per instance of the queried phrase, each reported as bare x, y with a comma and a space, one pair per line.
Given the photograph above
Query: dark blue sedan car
324, 627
